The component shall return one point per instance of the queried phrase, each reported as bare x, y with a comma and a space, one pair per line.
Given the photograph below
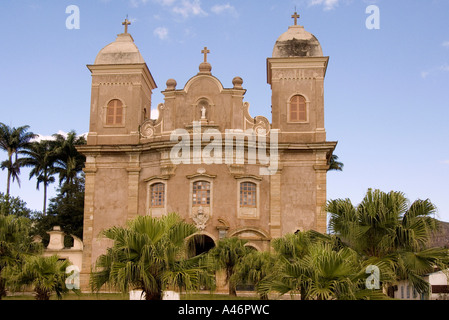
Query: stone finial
205, 68
237, 82
171, 84
56, 239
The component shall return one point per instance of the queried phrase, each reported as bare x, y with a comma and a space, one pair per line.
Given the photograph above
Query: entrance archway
198, 244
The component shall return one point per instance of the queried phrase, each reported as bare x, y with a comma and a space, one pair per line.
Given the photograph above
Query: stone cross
126, 23
296, 16
205, 51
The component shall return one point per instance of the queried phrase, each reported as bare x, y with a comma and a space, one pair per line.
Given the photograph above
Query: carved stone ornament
200, 218
147, 129
261, 126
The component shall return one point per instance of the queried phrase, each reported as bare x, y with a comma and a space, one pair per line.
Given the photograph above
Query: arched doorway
198, 244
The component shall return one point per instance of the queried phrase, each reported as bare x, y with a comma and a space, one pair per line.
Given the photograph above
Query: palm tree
15, 244
13, 168
149, 254
41, 157
13, 140
388, 232
254, 268
317, 267
69, 162
226, 256
334, 164
45, 274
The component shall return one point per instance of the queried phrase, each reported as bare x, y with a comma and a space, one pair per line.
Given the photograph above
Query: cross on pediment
296, 16
126, 23
205, 51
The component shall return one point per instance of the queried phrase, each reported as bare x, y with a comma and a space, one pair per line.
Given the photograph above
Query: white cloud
190, 8
166, 2
445, 44
425, 74
434, 71
445, 67
224, 8
327, 4
161, 33
154, 114
137, 3
445, 162
41, 137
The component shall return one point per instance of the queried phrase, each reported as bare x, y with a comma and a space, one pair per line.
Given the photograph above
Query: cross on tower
296, 16
205, 51
126, 23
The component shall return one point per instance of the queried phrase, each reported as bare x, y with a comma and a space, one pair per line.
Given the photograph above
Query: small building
55, 246
439, 288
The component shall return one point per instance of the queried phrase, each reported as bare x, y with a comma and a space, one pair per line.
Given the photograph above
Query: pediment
203, 82
250, 234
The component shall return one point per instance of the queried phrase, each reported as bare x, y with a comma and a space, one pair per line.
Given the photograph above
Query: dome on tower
297, 42
122, 51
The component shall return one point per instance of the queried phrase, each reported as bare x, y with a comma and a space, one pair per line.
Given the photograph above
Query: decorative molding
247, 176
163, 177
223, 224
201, 217
236, 169
259, 234
201, 175
147, 129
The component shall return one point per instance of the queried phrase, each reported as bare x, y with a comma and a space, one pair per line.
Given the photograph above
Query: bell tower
296, 74
121, 93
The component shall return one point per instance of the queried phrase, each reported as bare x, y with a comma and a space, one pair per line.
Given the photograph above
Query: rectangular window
157, 195
248, 191
201, 193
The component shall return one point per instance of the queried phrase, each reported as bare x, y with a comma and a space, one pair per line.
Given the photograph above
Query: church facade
206, 157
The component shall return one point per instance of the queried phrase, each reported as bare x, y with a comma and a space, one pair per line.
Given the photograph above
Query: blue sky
386, 90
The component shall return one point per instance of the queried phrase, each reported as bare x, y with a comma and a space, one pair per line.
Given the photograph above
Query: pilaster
275, 205
133, 184
89, 201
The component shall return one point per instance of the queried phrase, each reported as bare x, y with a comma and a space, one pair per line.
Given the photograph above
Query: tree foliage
45, 274
148, 254
13, 141
16, 244
227, 255
387, 231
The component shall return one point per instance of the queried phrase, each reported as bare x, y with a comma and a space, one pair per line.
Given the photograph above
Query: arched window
248, 194
298, 109
201, 193
157, 193
114, 113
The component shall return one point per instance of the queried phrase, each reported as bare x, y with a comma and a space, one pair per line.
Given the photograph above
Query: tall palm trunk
45, 199
231, 285
8, 182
